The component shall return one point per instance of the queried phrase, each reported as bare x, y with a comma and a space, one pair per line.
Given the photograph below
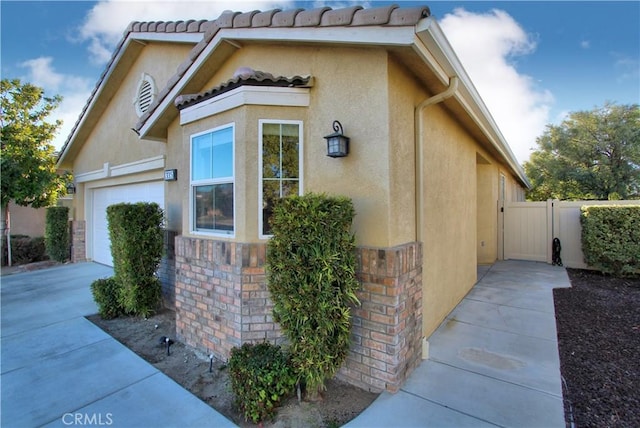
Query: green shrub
56, 233
136, 237
311, 277
260, 377
24, 249
105, 293
611, 238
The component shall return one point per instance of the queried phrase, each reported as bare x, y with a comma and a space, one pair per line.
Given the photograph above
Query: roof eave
446, 65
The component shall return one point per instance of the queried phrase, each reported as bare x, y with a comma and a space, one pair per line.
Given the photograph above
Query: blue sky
532, 62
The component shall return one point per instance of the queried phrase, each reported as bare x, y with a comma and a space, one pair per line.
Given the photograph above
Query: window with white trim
212, 181
145, 94
280, 163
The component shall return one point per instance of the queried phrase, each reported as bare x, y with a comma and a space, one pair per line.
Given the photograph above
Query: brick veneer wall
387, 327
78, 241
222, 301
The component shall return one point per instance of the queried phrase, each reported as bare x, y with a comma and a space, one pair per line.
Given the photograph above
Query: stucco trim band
246, 95
143, 165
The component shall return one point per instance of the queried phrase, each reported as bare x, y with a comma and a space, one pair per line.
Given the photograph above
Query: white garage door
105, 196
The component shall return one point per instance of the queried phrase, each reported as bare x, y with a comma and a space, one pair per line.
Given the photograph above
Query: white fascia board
246, 95
167, 37
439, 48
385, 36
366, 35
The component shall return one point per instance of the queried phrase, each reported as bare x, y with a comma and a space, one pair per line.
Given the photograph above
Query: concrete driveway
58, 369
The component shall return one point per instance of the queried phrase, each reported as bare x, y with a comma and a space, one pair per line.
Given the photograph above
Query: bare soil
598, 321
341, 401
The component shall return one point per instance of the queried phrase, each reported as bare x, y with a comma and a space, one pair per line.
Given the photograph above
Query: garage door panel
106, 196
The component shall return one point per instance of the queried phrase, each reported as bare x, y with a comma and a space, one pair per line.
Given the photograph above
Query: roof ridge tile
310, 18
285, 18
338, 17
243, 20
264, 19
375, 16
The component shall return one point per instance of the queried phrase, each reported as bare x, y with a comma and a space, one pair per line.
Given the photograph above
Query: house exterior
215, 119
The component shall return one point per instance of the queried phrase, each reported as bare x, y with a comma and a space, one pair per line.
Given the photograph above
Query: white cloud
108, 19
75, 91
626, 67
585, 44
487, 45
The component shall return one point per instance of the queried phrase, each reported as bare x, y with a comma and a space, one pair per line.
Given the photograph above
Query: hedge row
136, 235
56, 233
611, 238
24, 249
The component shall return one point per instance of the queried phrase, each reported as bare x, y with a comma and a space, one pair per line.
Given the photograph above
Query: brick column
78, 241
387, 327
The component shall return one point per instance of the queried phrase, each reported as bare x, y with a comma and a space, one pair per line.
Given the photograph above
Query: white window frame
262, 122
205, 182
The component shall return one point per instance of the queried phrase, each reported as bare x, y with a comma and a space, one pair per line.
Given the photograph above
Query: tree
590, 155
28, 164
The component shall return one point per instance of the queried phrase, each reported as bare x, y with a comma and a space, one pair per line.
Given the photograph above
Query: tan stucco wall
404, 94
363, 175
449, 233
112, 139
26, 220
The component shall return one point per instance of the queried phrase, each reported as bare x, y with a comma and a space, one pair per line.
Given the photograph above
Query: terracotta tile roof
355, 16
244, 77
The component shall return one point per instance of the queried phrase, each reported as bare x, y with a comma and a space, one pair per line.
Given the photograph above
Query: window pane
270, 193
270, 155
214, 207
280, 166
222, 159
290, 150
212, 155
201, 152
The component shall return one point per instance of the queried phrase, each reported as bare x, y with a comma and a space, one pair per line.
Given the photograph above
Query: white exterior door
105, 196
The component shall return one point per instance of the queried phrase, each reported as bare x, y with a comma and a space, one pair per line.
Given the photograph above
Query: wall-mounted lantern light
71, 188
337, 143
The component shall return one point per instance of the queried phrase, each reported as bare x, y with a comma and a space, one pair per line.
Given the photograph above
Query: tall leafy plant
311, 277
136, 237
56, 233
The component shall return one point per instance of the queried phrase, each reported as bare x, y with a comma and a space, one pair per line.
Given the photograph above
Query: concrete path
58, 369
493, 361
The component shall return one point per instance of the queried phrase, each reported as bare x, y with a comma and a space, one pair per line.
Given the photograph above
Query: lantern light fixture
337, 143
71, 188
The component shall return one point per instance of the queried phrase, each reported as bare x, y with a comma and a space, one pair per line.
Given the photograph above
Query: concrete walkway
58, 369
493, 361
